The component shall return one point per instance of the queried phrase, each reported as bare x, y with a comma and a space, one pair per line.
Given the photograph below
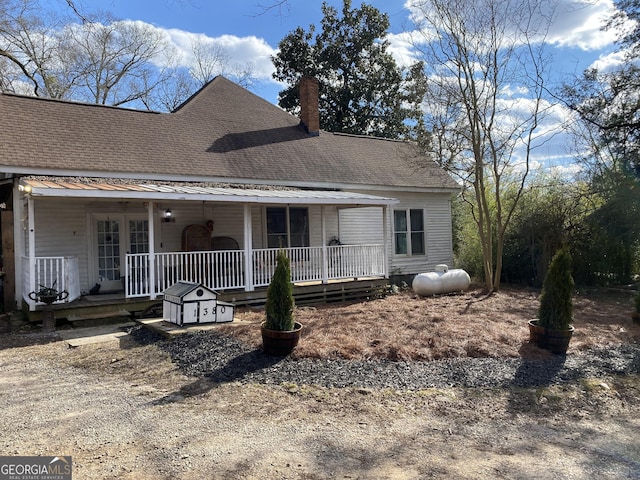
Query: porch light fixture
168, 216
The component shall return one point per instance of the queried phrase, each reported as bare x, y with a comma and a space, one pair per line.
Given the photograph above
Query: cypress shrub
280, 302
556, 307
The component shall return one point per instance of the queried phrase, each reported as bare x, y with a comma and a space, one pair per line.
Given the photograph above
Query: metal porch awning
61, 187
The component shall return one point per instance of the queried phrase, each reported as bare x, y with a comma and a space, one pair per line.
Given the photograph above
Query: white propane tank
441, 281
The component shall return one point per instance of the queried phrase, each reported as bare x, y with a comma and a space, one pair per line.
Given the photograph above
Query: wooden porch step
101, 318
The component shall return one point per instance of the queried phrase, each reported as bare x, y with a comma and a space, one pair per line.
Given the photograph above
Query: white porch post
387, 235
325, 260
248, 256
32, 248
152, 253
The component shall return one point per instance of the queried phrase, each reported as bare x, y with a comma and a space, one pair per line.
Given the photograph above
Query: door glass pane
139, 236
108, 250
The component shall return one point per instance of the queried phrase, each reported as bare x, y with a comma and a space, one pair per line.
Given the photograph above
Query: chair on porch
224, 243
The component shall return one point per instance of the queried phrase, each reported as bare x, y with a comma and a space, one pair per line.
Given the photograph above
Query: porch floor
307, 293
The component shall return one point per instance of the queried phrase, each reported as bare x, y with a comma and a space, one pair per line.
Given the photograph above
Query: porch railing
225, 270
59, 273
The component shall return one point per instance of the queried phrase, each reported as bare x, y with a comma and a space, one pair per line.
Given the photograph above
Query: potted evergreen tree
280, 331
552, 330
636, 313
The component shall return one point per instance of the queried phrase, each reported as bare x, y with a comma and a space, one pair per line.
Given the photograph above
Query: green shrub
280, 302
556, 307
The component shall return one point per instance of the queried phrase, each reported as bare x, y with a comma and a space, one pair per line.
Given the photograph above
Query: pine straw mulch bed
408, 327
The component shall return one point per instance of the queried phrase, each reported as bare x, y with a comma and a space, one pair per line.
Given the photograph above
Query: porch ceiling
147, 191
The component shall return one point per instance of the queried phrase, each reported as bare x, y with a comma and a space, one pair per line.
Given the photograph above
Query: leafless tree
117, 62
276, 5
109, 62
103, 60
210, 60
29, 46
485, 66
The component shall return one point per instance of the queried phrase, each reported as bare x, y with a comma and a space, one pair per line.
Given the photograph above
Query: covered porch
246, 266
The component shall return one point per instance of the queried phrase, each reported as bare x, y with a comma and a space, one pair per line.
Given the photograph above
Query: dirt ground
123, 410
471, 324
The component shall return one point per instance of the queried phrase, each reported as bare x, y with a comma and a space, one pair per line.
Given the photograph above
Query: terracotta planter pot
279, 343
556, 341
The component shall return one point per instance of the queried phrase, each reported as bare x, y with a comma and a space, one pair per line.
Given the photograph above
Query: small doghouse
187, 303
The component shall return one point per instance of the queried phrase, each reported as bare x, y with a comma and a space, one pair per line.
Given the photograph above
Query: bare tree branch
75, 10
474, 53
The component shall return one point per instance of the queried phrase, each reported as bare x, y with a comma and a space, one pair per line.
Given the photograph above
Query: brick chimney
309, 110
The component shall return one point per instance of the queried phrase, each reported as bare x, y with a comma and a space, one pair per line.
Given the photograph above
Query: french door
114, 237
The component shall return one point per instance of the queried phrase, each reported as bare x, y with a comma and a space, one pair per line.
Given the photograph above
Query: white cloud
609, 62
578, 23
575, 23
249, 50
401, 47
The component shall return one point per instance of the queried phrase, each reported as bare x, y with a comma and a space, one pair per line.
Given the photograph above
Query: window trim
409, 232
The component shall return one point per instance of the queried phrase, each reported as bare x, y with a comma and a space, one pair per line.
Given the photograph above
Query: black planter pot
635, 316
556, 341
280, 343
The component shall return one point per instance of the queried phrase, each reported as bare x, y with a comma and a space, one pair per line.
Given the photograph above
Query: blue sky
245, 27
250, 34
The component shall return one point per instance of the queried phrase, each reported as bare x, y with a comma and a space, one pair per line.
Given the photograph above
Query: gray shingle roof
222, 132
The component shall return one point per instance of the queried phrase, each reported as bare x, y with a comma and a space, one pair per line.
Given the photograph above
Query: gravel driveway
137, 408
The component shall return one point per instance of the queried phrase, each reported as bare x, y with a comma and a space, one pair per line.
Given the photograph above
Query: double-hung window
409, 231
287, 227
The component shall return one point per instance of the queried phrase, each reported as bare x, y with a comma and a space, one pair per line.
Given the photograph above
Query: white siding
332, 223
364, 225
60, 228
228, 221
439, 237
315, 224
185, 214
361, 226
438, 231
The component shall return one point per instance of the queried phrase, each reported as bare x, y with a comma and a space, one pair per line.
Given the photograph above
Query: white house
134, 201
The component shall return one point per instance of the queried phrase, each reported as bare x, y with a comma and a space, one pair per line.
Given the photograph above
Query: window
287, 227
408, 226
